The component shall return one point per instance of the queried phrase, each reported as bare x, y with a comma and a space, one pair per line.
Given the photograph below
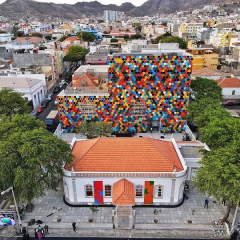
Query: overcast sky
118, 2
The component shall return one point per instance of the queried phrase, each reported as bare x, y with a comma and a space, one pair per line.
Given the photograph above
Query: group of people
41, 232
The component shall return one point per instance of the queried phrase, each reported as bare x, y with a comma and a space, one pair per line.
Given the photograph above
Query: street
94, 238
42, 116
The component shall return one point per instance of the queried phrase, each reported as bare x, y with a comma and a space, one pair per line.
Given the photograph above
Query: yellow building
225, 39
190, 27
204, 57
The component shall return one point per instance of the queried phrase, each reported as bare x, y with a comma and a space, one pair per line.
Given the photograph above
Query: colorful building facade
144, 91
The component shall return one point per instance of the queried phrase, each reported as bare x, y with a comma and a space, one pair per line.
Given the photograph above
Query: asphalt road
94, 238
42, 116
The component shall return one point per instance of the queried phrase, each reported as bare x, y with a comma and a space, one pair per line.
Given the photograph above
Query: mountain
27, 8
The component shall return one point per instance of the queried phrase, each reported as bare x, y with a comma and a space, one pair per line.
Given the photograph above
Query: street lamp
19, 219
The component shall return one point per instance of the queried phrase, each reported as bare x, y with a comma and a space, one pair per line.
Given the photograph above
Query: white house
32, 89
125, 171
5, 37
230, 87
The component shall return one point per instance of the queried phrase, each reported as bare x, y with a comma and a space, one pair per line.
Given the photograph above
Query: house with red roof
125, 172
230, 86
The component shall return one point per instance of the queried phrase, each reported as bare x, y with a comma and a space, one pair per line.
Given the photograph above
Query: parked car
34, 114
49, 97
229, 103
61, 83
39, 109
56, 89
44, 103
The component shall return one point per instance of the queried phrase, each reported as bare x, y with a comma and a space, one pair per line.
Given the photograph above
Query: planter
59, 220
155, 220
90, 220
189, 221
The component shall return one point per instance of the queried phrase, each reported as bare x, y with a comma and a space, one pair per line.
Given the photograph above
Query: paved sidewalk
170, 220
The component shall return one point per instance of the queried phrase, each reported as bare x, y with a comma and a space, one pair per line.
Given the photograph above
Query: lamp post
19, 219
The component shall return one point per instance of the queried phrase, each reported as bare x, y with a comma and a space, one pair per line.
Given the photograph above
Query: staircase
123, 217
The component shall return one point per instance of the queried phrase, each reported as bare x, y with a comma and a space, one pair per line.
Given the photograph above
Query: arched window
139, 190
108, 190
89, 190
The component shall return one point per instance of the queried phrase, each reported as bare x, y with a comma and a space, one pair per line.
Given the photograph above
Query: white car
61, 83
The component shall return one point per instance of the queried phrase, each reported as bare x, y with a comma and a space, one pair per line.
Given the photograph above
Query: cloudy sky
118, 2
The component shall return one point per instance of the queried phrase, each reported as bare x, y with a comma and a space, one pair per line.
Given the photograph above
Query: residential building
230, 87
204, 57
32, 89
110, 16
5, 37
206, 73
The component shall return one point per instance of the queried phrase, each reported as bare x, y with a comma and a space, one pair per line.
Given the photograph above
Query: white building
5, 37
32, 89
230, 87
110, 16
151, 171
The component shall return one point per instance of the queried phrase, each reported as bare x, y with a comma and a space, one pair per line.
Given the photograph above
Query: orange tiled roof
229, 83
88, 78
71, 39
123, 193
204, 72
125, 155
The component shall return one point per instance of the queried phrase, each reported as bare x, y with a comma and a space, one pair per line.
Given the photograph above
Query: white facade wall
230, 91
5, 37
167, 184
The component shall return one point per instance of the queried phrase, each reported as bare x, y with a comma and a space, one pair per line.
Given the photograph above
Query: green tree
173, 39
54, 38
126, 37
48, 37
31, 157
37, 35
86, 36
75, 54
219, 174
164, 24
20, 34
2, 32
15, 30
12, 102
95, 129
157, 40
220, 132
61, 39
204, 88
138, 28
136, 36
100, 21
114, 40
197, 107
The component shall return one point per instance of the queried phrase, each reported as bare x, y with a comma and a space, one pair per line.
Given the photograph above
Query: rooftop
20, 82
125, 155
191, 152
229, 82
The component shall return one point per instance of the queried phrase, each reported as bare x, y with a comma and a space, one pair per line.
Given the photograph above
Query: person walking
39, 228
206, 203
74, 226
39, 234
46, 229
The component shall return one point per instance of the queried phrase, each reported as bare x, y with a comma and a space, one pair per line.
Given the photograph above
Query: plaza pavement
172, 221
